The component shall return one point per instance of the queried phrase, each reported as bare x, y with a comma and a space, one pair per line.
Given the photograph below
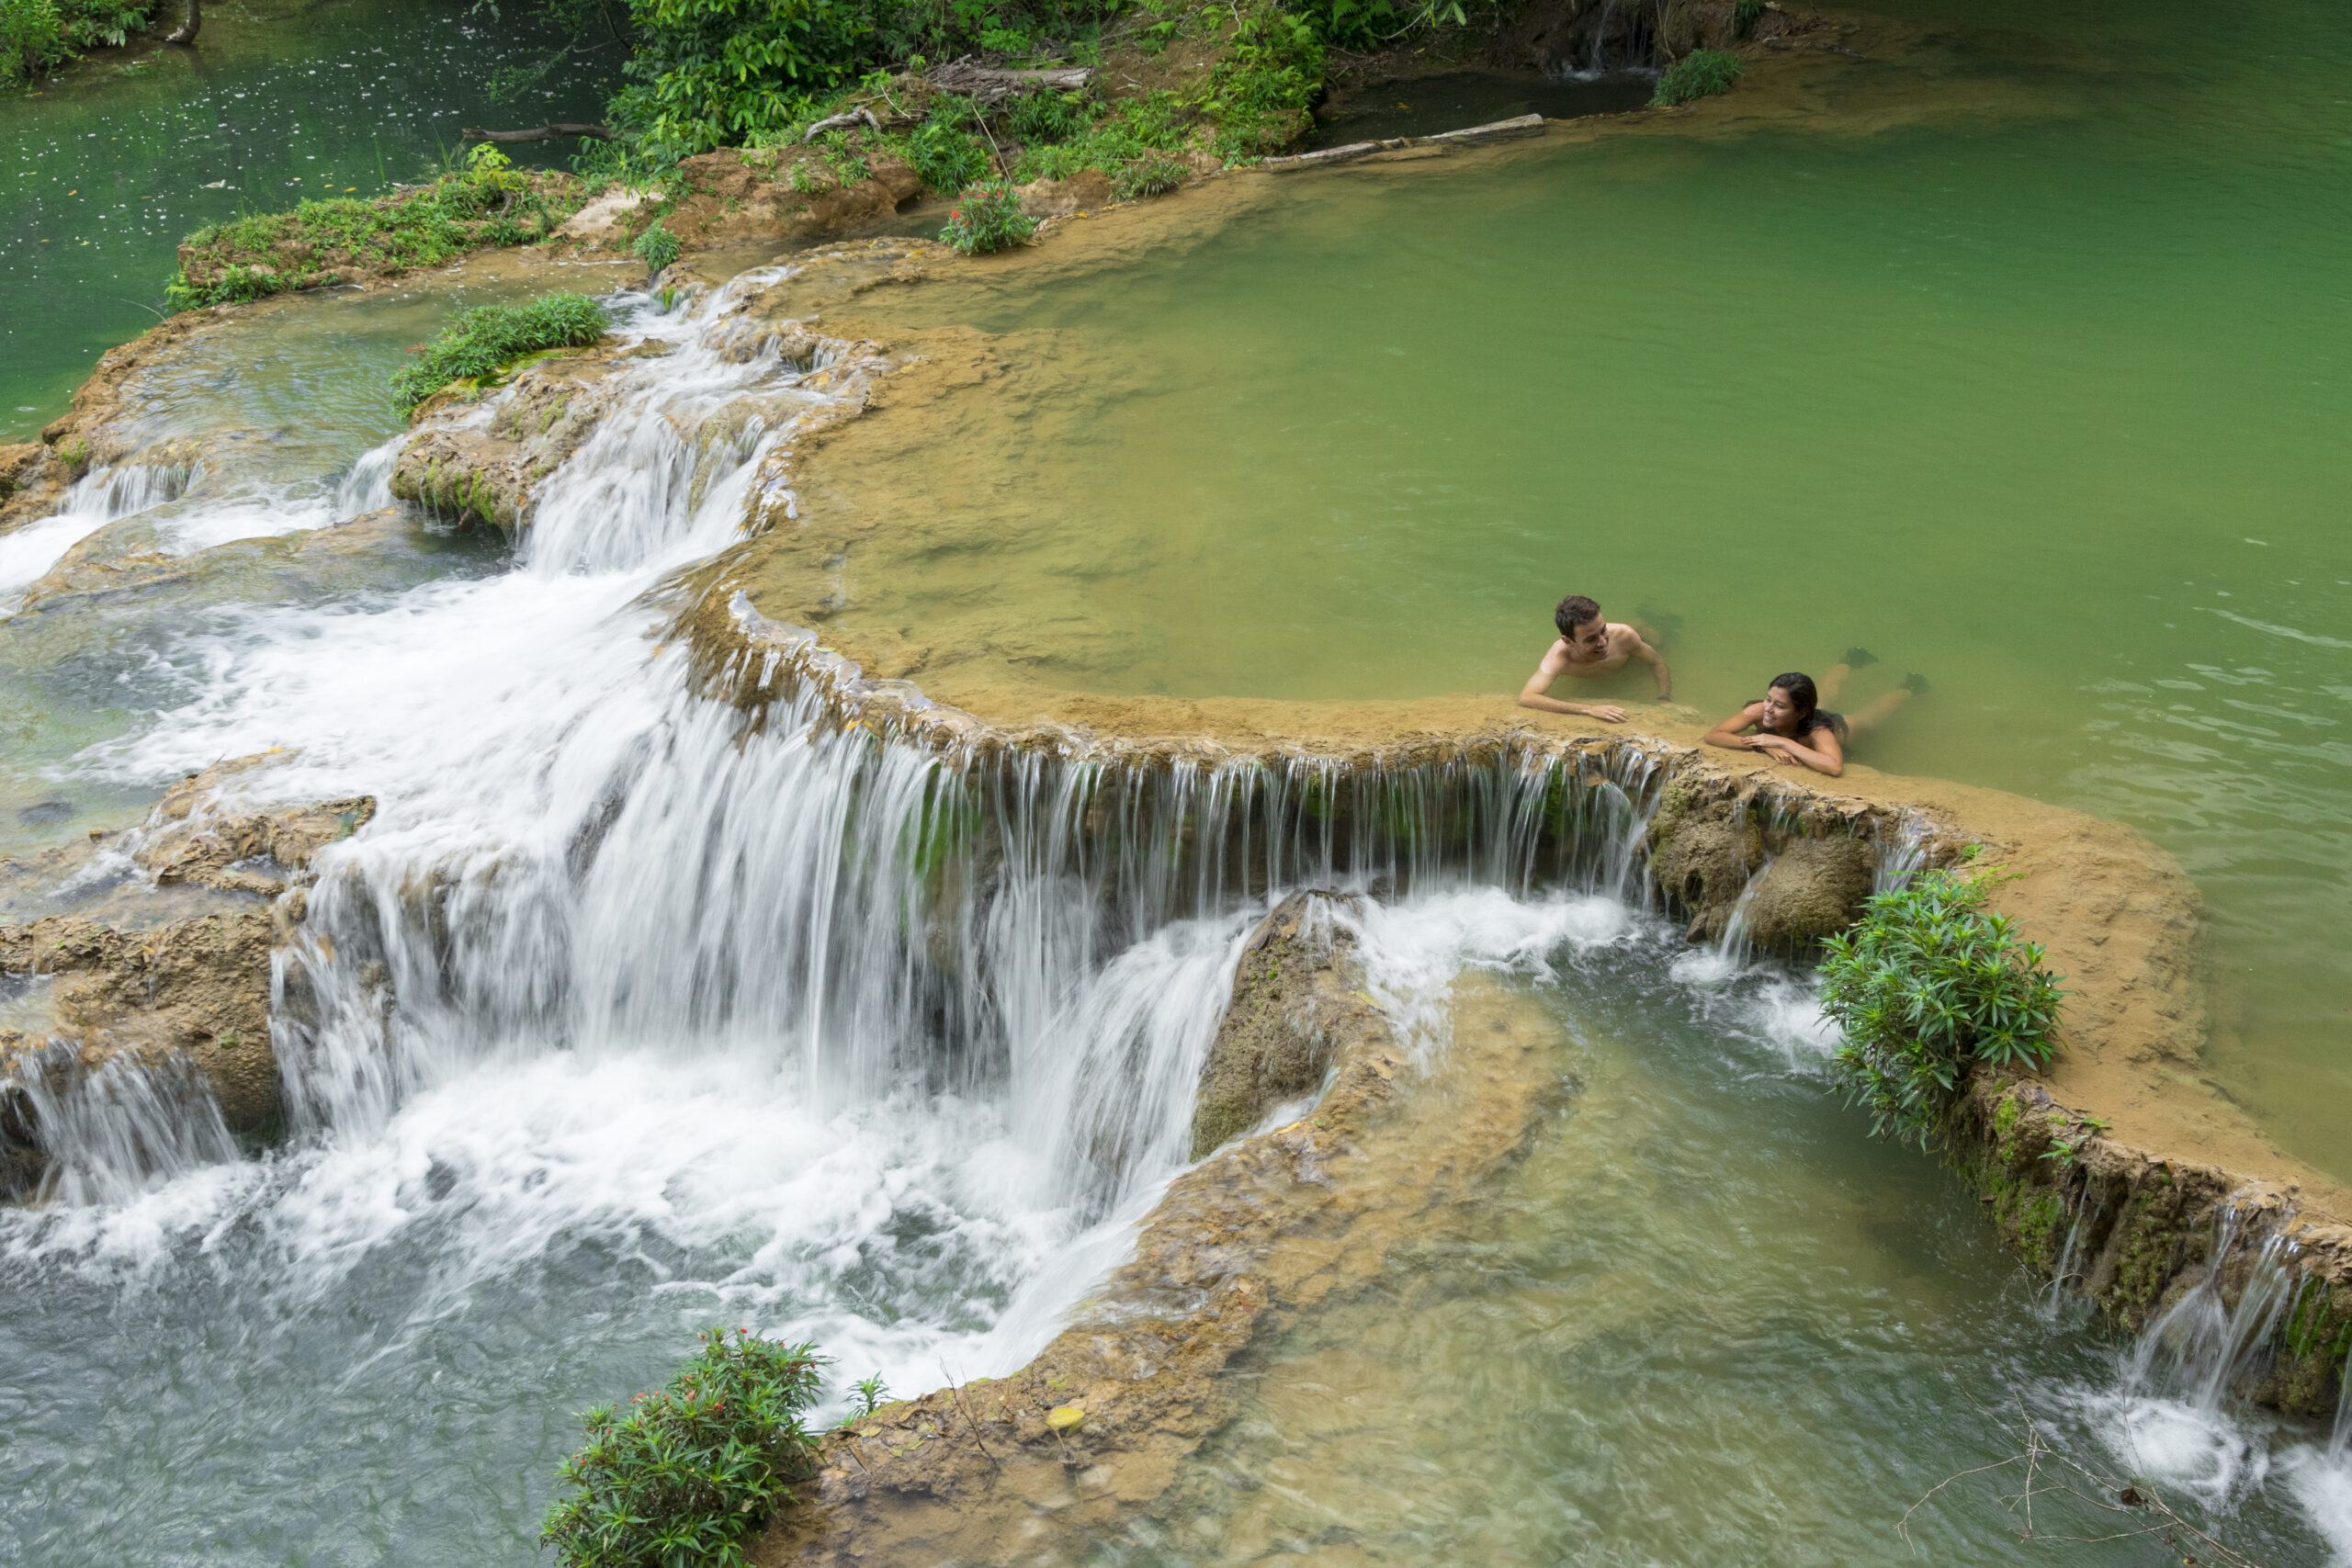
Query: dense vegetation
484, 202
37, 34
487, 339
1926, 987
686, 1473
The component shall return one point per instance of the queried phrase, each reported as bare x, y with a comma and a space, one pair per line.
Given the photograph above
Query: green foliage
486, 203
1700, 73
1926, 985
1745, 14
1259, 92
1048, 117
945, 155
485, 340
688, 1472
38, 34
987, 218
1154, 174
657, 247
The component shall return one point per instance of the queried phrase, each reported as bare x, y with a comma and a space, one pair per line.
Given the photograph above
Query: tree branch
542, 133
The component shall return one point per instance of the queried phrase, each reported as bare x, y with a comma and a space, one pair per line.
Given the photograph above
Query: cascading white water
97, 498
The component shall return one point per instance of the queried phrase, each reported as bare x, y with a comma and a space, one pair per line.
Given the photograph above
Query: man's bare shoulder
1623, 638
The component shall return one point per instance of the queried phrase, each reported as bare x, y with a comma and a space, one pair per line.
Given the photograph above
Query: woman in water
1793, 727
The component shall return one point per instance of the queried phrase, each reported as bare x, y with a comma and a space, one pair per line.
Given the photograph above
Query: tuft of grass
685, 1473
1154, 174
487, 339
987, 219
1700, 73
657, 248
1926, 987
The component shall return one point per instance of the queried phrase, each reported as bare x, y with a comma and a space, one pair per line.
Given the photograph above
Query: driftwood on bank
991, 85
548, 132
186, 32
840, 121
1525, 125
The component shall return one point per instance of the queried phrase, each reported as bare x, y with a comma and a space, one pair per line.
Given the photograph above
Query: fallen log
548, 132
990, 84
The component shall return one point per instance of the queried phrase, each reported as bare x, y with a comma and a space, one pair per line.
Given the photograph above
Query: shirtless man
1590, 646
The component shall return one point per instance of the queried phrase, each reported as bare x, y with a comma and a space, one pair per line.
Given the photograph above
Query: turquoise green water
105, 167
2040, 396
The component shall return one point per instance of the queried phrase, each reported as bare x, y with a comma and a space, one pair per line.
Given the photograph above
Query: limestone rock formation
1275, 1042
484, 461
1812, 889
190, 991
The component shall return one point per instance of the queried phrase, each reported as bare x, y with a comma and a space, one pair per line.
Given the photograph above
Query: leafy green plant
1700, 73
987, 218
686, 1473
657, 247
1925, 986
37, 34
946, 156
1745, 14
485, 340
1154, 174
1048, 117
871, 1394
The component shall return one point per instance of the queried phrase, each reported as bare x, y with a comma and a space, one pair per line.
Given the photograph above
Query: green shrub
1154, 174
1700, 73
657, 247
1925, 986
690, 1471
946, 156
485, 340
35, 34
1048, 117
1745, 14
987, 218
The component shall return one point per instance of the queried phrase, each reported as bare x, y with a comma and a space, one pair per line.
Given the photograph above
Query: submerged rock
1275, 1042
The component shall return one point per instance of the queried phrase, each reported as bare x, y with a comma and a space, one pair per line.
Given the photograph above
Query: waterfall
577, 860
2201, 1346
99, 497
118, 1129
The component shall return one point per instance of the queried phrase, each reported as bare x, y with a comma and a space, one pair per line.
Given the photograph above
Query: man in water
1589, 646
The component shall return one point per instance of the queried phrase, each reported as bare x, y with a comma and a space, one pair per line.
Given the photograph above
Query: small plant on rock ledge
987, 219
1700, 73
1927, 985
687, 1472
657, 248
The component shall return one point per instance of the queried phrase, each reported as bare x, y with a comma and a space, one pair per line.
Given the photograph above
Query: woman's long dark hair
1801, 691
1807, 698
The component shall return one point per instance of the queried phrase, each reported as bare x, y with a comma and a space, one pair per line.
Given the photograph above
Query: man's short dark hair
1574, 610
